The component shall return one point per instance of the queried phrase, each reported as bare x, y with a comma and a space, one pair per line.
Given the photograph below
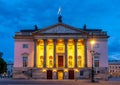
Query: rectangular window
96, 45
96, 61
81, 73
25, 45
25, 61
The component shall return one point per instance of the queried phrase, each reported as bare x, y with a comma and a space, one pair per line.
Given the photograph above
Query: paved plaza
57, 82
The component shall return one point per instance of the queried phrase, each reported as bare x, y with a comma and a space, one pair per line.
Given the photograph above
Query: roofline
52, 26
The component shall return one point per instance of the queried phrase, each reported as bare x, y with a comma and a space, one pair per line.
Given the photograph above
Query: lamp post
92, 42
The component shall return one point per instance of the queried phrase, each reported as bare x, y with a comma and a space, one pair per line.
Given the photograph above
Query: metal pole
92, 76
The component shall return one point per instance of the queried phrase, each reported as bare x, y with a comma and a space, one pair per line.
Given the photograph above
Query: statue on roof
60, 19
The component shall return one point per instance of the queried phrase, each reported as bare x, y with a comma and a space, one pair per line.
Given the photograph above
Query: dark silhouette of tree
3, 64
1, 54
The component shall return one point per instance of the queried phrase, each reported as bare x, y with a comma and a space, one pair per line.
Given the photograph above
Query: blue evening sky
24, 14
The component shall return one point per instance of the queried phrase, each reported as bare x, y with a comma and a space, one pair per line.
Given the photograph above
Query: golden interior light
50, 40
65, 70
70, 40
80, 54
40, 53
49, 54
76, 70
54, 70
71, 51
60, 40
44, 70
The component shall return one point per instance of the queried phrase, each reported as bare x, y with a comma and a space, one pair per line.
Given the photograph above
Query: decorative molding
25, 54
60, 29
96, 53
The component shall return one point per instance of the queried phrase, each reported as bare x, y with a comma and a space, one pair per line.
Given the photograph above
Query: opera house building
60, 52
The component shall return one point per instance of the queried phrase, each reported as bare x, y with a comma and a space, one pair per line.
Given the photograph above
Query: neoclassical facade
60, 52
114, 68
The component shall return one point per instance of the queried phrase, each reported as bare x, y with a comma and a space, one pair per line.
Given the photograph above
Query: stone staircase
38, 74
22, 74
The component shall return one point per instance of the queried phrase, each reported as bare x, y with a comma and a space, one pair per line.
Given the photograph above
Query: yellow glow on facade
70, 49
60, 75
60, 50
40, 53
80, 54
54, 70
50, 54
70, 40
65, 70
76, 70
60, 40
60, 47
43, 70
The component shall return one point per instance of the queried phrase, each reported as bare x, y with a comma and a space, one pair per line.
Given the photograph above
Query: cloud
114, 45
114, 57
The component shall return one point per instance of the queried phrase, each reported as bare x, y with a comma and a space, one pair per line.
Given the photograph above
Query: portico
59, 54
70, 52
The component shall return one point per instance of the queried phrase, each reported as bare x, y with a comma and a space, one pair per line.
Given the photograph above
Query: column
66, 65
75, 52
45, 52
85, 52
55, 53
35, 43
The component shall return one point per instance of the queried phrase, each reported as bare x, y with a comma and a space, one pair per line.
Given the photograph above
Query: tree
3, 64
1, 54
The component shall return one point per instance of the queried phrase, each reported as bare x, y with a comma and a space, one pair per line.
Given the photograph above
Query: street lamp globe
92, 42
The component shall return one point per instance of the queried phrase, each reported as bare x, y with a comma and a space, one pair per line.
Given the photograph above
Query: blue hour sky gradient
16, 15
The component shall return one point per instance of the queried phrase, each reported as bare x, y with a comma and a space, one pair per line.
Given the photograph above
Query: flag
59, 11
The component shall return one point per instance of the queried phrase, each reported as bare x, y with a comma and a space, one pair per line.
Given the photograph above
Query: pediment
59, 28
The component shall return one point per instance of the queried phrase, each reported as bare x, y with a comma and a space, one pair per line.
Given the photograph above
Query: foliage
1, 54
3, 64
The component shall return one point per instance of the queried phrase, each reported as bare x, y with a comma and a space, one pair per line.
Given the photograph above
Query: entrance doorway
71, 74
60, 75
49, 74
60, 60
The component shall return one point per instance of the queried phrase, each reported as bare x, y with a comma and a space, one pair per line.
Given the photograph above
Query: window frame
25, 61
96, 61
25, 46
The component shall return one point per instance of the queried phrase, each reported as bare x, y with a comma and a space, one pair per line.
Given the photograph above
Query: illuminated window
25, 61
25, 45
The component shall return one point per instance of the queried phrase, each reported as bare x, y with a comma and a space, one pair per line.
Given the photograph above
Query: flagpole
59, 15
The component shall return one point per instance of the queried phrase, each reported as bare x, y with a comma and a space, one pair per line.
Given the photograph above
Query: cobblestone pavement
56, 82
